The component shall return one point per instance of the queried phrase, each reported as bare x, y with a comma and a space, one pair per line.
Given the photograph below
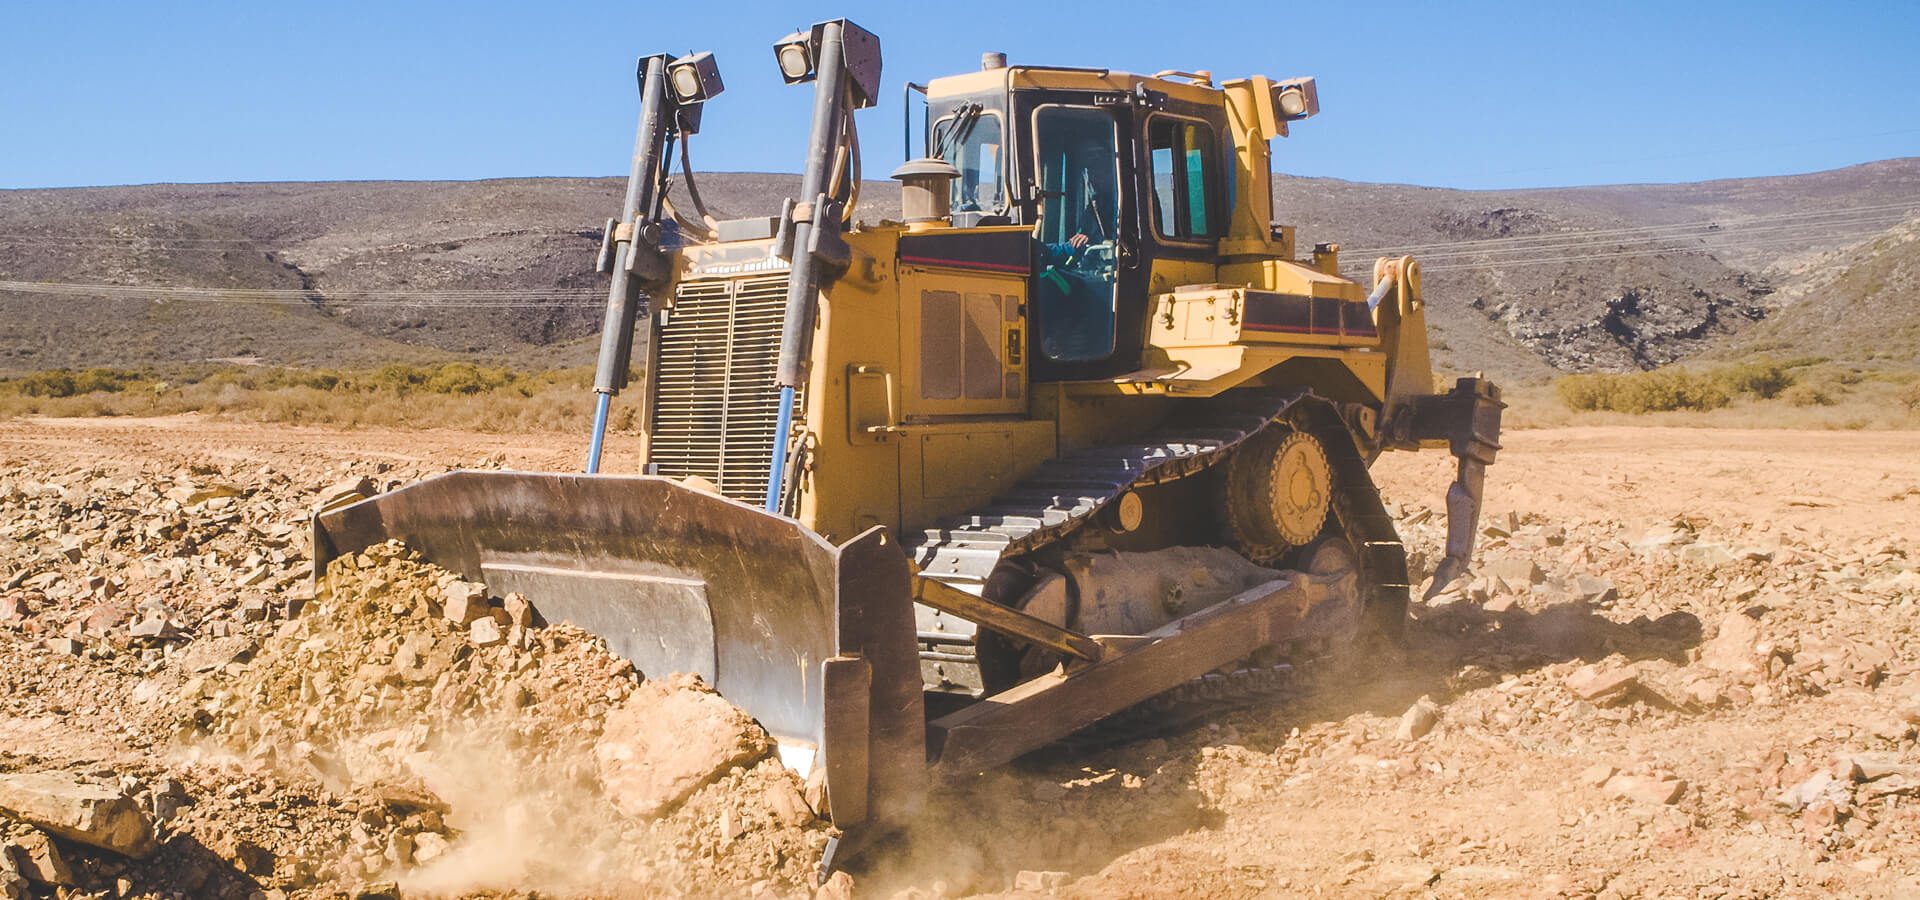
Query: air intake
716, 402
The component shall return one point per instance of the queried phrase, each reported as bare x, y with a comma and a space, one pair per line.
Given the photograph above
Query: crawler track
1066, 493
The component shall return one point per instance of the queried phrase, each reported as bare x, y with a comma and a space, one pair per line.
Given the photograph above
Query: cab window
1186, 170
971, 140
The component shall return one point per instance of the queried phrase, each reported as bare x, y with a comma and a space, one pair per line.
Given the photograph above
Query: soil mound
510, 756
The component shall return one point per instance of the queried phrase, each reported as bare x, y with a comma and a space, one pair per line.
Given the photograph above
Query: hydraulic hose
829, 105
623, 292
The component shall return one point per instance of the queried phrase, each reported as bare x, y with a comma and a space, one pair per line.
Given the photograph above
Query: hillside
1858, 304
1521, 283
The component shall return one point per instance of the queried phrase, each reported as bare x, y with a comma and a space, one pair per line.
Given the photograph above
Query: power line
1711, 242
1743, 231
1637, 229
223, 245
1756, 237
475, 299
1657, 251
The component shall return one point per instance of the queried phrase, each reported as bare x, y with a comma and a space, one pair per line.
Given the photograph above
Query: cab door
1088, 289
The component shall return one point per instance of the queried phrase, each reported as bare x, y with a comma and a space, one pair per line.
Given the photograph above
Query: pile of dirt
502, 754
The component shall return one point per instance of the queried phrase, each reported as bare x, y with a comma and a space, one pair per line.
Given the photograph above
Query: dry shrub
450, 395
1762, 378
1805, 395
1661, 390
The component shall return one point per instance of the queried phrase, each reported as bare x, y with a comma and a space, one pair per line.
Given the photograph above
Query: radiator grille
716, 402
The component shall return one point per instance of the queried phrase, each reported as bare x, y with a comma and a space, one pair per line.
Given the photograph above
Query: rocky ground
1685, 668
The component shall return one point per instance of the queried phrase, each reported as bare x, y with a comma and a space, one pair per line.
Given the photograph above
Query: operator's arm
1054, 254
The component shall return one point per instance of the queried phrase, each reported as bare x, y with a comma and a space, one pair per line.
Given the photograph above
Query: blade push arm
843, 61
630, 249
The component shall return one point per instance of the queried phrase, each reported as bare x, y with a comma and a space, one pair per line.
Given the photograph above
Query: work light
1296, 98
795, 56
695, 78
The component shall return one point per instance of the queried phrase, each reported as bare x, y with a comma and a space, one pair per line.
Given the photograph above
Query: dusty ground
1687, 669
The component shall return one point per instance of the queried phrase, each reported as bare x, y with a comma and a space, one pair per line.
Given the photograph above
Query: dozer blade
814, 641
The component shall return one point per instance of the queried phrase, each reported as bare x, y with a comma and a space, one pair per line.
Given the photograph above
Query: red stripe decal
962, 263
1253, 326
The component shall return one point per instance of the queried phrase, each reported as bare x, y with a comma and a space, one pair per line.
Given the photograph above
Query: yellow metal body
918, 402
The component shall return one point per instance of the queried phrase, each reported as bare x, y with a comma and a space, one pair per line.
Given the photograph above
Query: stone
253, 608
485, 633
1597, 775
1875, 766
155, 628
1706, 554
37, 859
102, 618
838, 887
1039, 882
1734, 650
428, 847
194, 495
81, 811
1595, 589
1651, 789
1665, 537
1518, 572
1599, 683
463, 602
400, 848
166, 799
378, 890
13, 608
1704, 693
1418, 720
667, 740
1821, 787
13, 885
252, 858
789, 807
731, 825
208, 654
64, 646
352, 490
519, 611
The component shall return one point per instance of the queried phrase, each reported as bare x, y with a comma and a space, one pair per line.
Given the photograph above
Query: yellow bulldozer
1081, 430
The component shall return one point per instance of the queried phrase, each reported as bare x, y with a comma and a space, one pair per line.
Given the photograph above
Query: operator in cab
1075, 284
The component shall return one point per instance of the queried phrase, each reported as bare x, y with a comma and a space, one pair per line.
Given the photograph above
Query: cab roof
1068, 79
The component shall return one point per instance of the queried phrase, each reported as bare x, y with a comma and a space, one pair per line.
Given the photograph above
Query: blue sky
1454, 95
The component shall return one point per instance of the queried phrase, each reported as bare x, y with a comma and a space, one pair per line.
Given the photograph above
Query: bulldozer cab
1125, 178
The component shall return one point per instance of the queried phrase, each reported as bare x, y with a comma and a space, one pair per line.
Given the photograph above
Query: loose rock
78, 810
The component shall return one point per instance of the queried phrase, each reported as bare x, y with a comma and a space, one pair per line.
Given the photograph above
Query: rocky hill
1521, 283
1860, 303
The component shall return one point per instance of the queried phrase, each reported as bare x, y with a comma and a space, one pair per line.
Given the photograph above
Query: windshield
970, 140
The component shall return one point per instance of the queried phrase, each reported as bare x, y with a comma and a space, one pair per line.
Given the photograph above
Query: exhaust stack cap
991, 60
925, 191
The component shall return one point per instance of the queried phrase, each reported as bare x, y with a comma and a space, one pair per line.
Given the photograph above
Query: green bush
1805, 395
57, 383
467, 379
1661, 390
1909, 397
64, 383
1763, 378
